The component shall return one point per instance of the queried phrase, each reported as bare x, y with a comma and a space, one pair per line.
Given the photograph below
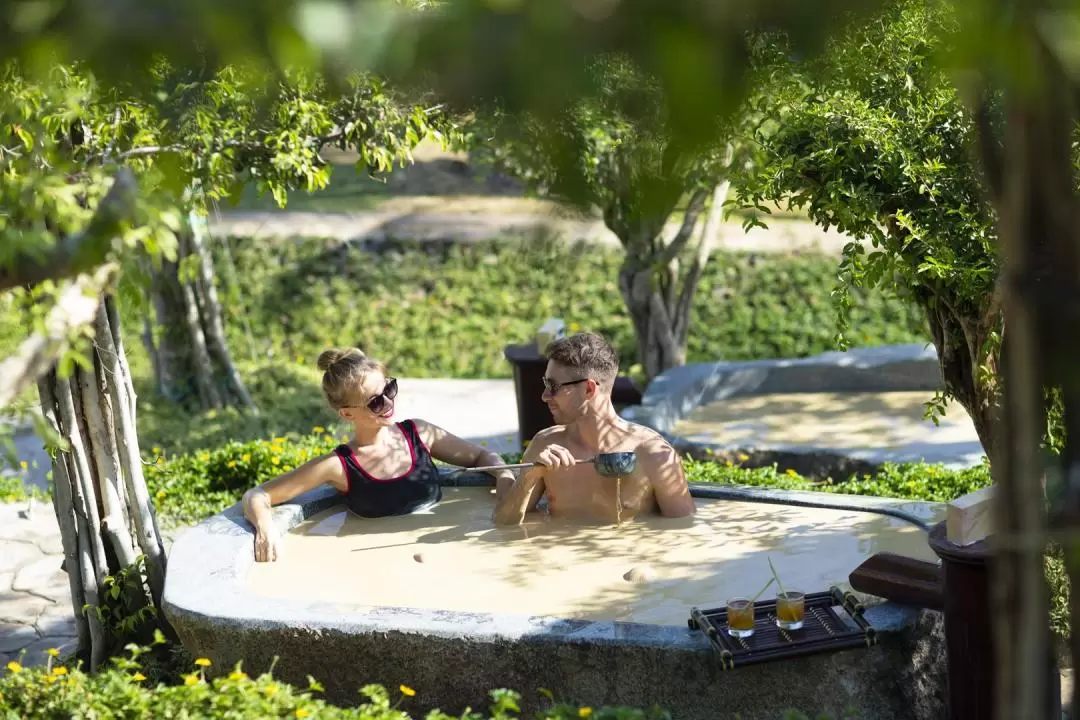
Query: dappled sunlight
650, 570
889, 423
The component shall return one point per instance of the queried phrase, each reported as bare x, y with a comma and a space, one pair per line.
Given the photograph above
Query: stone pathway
782, 235
35, 600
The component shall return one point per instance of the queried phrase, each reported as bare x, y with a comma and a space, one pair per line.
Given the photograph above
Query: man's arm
525, 493
664, 469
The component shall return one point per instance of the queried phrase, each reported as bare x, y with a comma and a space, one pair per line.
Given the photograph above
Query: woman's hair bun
330, 358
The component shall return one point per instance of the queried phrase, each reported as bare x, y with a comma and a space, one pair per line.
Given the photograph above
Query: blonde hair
344, 369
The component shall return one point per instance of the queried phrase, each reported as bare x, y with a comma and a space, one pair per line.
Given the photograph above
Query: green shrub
447, 312
192, 486
123, 692
909, 481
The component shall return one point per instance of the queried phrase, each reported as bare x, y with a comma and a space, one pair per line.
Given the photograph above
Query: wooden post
962, 542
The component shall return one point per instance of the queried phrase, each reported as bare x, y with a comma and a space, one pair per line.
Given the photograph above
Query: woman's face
375, 401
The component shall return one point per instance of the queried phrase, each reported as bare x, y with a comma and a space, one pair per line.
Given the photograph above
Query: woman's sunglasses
381, 402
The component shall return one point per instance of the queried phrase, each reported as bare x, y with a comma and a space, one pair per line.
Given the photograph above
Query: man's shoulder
548, 435
648, 438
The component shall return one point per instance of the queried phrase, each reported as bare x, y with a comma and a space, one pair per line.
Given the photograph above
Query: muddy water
646, 570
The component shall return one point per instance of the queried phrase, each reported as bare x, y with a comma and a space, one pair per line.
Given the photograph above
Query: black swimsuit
372, 497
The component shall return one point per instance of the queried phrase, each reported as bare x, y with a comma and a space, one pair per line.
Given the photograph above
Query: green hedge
448, 311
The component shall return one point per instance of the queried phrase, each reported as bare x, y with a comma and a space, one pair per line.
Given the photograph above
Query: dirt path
467, 219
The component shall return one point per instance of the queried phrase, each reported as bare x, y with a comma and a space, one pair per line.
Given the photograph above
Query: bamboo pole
102, 444
64, 507
138, 497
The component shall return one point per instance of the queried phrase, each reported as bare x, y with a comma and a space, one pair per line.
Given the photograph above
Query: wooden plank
900, 579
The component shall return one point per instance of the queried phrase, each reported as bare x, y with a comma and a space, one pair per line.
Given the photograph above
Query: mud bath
650, 571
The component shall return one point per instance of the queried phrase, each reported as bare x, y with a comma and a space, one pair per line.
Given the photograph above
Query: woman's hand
267, 543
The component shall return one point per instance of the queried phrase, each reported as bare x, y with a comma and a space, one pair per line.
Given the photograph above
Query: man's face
567, 392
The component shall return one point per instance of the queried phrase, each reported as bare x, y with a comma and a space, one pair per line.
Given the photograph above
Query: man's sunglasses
553, 387
379, 404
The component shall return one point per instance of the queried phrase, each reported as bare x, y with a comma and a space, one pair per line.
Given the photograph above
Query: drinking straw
775, 576
754, 599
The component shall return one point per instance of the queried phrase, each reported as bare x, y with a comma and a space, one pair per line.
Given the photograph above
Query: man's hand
267, 544
556, 457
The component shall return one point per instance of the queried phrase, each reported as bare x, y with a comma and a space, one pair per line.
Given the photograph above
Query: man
580, 373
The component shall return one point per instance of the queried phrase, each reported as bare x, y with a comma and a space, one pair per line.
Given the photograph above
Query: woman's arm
449, 448
323, 470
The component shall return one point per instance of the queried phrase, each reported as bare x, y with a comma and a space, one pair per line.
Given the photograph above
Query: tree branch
78, 253
693, 211
713, 221
75, 307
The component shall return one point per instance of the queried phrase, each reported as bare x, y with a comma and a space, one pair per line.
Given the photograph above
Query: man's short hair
589, 354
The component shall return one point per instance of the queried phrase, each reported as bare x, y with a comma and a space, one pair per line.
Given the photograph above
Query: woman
386, 470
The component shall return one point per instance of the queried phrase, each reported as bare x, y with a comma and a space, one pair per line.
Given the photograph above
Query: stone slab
18, 554
22, 608
16, 637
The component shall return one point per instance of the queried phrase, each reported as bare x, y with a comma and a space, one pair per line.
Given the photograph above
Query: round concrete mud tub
454, 607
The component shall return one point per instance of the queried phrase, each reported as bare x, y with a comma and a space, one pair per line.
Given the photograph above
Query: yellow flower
49, 679
407, 691
791, 473
302, 713
14, 667
270, 689
138, 677
584, 712
191, 679
743, 457
318, 429
575, 327
203, 662
232, 463
238, 675
160, 494
24, 465
53, 652
246, 457
276, 460
59, 670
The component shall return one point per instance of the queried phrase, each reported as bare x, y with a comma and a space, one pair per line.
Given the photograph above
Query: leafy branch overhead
92, 174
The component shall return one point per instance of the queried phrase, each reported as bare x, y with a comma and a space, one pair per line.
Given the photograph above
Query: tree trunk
102, 504
191, 360
959, 356
658, 294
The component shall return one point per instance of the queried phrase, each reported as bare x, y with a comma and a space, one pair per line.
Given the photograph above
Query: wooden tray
823, 630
